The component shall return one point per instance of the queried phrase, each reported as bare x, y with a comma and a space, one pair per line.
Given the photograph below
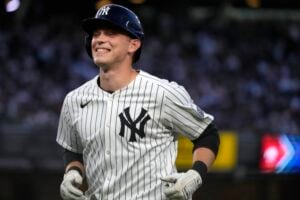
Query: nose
99, 35
98, 39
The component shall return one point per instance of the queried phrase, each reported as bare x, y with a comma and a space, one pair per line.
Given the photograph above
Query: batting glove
69, 188
181, 186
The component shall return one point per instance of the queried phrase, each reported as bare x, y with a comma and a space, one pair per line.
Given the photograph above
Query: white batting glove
181, 186
69, 188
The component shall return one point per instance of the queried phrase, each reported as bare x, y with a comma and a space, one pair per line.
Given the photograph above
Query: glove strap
77, 169
201, 168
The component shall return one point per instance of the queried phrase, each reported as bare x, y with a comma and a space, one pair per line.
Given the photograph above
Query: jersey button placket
108, 112
107, 121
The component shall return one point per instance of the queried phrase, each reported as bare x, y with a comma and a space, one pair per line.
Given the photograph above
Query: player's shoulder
86, 89
170, 88
165, 83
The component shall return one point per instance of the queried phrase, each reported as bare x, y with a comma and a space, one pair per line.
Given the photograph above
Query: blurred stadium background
239, 59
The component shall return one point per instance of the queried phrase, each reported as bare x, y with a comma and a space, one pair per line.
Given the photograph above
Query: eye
111, 32
96, 33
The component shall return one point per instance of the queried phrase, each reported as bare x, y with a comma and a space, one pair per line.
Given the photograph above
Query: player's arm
204, 154
73, 161
206, 149
71, 187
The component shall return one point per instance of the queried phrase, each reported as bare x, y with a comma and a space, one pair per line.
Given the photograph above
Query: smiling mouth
102, 50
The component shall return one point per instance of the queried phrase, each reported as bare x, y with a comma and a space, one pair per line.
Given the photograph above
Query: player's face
110, 47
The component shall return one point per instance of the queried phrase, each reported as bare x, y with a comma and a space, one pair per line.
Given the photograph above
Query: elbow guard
209, 139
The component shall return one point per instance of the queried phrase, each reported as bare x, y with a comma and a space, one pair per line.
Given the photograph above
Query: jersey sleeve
67, 135
182, 115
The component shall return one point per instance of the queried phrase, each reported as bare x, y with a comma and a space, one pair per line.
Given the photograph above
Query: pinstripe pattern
116, 168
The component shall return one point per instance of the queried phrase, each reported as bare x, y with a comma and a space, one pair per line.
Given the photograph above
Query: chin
99, 61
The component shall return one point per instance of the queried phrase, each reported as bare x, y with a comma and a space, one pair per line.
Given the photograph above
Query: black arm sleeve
209, 139
70, 156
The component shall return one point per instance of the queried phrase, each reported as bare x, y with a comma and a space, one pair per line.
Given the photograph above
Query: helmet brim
91, 24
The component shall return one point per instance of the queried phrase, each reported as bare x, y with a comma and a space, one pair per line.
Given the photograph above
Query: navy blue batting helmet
117, 16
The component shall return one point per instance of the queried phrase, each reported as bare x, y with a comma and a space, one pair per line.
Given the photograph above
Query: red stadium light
272, 153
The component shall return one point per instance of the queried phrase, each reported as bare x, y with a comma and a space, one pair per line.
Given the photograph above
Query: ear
135, 44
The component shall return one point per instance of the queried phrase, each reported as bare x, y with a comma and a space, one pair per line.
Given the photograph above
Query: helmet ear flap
88, 45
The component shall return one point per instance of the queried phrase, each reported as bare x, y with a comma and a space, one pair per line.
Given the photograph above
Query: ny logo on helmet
103, 11
131, 124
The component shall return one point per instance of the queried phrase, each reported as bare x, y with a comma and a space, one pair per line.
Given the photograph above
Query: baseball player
119, 130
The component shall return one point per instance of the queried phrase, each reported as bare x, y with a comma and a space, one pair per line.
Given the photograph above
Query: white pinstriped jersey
128, 138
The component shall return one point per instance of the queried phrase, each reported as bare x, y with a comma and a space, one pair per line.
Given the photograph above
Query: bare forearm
205, 155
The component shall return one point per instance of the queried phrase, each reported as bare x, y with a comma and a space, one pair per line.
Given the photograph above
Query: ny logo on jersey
127, 121
103, 11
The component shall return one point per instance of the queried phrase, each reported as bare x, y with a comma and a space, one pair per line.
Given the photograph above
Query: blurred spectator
245, 73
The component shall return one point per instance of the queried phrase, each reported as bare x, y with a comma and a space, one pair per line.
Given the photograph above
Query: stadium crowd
245, 73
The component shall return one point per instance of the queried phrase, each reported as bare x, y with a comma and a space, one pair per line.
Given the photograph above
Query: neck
115, 79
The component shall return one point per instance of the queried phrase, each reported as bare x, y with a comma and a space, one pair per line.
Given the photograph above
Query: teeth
101, 50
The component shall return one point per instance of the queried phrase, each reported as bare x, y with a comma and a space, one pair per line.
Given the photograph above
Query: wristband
77, 169
201, 168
